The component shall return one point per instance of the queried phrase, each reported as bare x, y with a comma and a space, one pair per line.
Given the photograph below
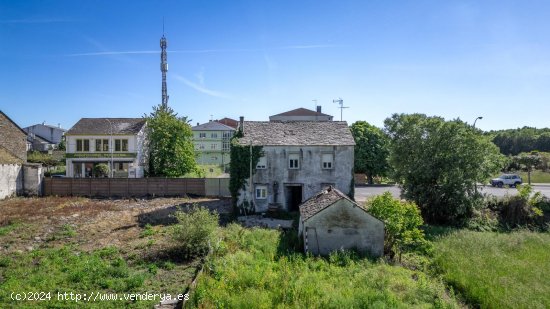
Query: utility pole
474, 126
111, 145
341, 103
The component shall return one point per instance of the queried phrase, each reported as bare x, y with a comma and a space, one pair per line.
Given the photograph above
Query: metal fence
125, 187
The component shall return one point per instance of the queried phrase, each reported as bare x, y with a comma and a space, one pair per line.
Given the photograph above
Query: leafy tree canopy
438, 163
171, 149
371, 150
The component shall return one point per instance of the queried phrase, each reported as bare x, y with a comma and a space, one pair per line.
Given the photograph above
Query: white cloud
203, 89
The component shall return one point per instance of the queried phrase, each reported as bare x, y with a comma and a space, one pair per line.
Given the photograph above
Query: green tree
171, 149
371, 150
438, 163
528, 161
402, 221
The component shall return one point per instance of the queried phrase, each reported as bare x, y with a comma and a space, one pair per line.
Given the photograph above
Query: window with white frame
262, 163
82, 145
294, 161
213, 146
261, 192
201, 146
327, 160
214, 135
101, 145
202, 135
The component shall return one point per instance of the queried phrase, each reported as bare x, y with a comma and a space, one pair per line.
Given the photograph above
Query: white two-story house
300, 158
121, 143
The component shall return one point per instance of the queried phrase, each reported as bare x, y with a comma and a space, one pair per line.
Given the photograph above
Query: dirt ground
91, 223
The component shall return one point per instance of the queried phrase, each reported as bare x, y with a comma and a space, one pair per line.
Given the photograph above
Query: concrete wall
33, 175
10, 180
16, 179
343, 225
311, 175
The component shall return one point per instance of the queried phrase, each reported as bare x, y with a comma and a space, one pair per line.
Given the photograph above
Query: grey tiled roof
320, 201
120, 126
301, 112
297, 133
212, 126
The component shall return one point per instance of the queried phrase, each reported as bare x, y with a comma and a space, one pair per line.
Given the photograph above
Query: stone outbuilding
331, 221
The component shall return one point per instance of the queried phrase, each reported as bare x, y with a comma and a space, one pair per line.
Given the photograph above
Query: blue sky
63, 60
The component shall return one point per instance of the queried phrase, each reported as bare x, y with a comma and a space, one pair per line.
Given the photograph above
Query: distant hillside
526, 139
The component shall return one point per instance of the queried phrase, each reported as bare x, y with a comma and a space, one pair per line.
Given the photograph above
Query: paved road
363, 193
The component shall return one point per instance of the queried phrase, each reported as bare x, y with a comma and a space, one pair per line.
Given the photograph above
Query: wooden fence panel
125, 187
217, 187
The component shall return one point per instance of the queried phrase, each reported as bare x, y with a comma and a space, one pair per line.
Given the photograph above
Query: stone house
331, 221
121, 143
212, 142
16, 176
300, 158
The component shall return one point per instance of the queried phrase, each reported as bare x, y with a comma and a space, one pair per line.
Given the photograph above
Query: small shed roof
103, 126
322, 200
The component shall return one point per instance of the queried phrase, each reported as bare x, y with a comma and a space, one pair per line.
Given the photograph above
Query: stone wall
12, 138
311, 176
344, 225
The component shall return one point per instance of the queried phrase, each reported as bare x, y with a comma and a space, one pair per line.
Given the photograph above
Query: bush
101, 170
195, 230
521, 209
402, 221
526, 209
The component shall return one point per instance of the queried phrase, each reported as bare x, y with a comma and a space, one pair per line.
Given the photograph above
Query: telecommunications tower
163, 68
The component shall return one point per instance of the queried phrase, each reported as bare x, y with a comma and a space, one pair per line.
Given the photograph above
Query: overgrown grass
257, 268
67, 270
497, 270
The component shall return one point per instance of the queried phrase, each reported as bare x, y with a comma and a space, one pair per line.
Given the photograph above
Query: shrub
101, 170
521, 209
195, 230
402, 221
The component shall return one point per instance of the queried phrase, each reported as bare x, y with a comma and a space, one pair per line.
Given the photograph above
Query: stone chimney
241, 123
319, 108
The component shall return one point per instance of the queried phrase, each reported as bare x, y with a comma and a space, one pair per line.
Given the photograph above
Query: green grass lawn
536, 177
258, 268
497, 270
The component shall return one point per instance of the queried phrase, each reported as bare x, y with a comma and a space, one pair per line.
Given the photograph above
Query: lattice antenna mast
341, 103
163, 67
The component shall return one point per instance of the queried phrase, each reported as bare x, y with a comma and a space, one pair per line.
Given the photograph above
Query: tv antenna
341, 102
